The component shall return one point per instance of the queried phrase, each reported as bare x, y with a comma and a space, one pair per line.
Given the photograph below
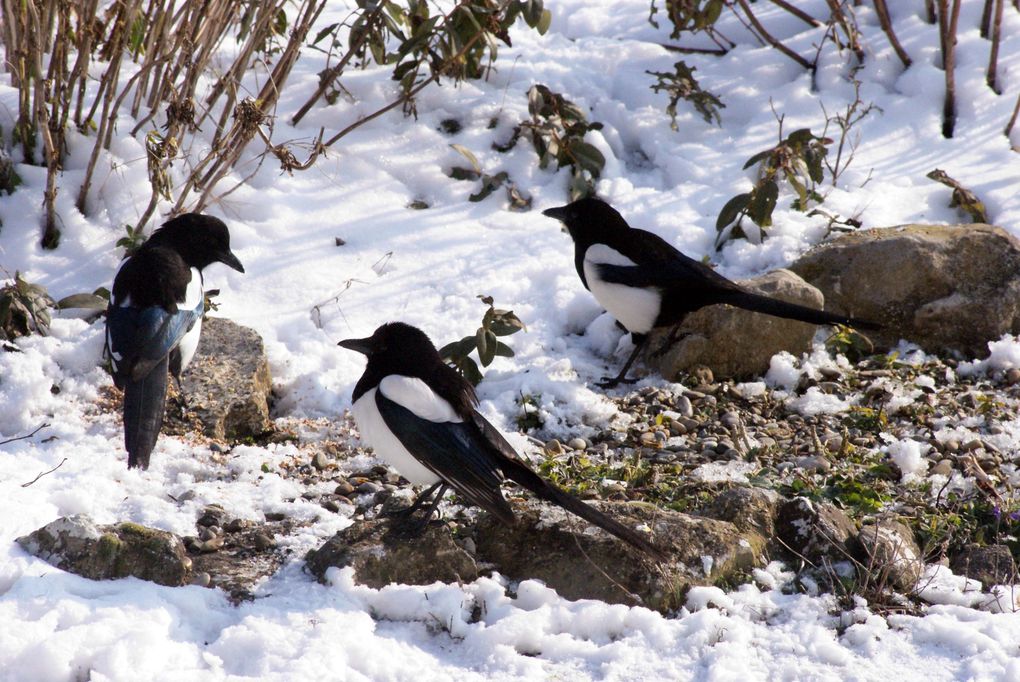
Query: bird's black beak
558, 212
363, 346
230, 260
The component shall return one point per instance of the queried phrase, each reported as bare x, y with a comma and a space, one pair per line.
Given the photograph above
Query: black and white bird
645, 283
419, 415
154, 319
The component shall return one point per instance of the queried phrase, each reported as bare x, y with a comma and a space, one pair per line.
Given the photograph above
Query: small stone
212, 515
991, 564
972, 445
275, 516
684, 406
730, 420
211, 545
202, 579
218, 447
309, 495
691, 425
344, 488
320, 461
944, 467
1012, 376
702, 375
468, 545
368, 488
554, 447
391, 478
814, 464
331, 505
186, 495
206, 534
731, 454
577, 444
264, 542
237, 525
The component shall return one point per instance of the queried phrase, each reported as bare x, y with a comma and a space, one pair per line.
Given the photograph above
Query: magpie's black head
589, 220
399, 348
200, 240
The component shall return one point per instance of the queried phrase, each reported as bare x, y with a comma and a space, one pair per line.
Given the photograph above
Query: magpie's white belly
194, 297
374, 432
636, 308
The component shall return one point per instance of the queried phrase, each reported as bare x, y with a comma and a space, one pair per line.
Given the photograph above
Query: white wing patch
416, 396
635, 307
192, 299
375, 433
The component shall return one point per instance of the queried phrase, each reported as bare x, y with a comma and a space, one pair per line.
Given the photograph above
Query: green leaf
763, 202
731, 210
506, 325
486, 344
324, 32
470, 371
588, 157
760, 156
503, 350
544, 22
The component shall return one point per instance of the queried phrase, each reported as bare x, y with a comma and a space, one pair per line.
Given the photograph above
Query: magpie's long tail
144, 402
774, 306
526, 478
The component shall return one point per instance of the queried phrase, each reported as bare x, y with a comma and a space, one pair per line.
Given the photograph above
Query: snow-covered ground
302, 293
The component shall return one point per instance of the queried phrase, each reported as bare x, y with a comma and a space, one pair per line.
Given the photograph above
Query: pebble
944, 467
703, 375
972, 445
320, 461
684, 406
275, 516
210, 545
554, 447
237, 525
368, 488
205, 534
343, 488
202, 579
212, 515
730, 420
814, 463
186, 495
219, 447
1012, 376
731, 454
264, 542
577, 444
331, 505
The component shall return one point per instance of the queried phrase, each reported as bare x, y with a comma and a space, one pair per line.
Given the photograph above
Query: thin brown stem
948, 32
799, 13
882, 10
770, 39
1012, 119
993, 58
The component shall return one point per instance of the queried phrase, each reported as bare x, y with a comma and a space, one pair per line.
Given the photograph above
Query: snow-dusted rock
890, 554
944, 287
815, 529
227, 385
734, 342
78, 545
991, 564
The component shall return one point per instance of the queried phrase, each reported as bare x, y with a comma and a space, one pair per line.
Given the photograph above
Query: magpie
420, 416
645, 283
154, 319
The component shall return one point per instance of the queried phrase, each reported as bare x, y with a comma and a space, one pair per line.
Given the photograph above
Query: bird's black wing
456, 452
139, 339
659, 264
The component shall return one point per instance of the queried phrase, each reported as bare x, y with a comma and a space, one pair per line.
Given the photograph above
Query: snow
302, 294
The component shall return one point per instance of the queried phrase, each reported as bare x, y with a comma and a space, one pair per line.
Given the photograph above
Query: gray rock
991, 564
946, 288
737, 343
227, 385
890, 554
382, 554
750, 509
101, 552
212, 515
581, 561
815, 529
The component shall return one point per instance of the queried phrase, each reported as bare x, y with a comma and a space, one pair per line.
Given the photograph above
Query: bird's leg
674, 335
417, 527
639, 343
182, 400
416, 505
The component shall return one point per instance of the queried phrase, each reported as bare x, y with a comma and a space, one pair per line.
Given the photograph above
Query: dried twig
770, 39
994, 56
948, 21
26, 436
25, 485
